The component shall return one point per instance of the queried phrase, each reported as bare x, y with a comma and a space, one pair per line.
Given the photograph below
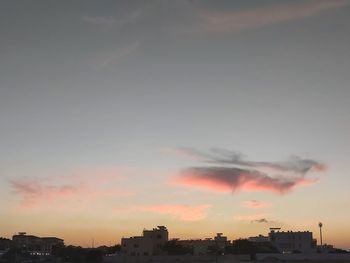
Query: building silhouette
41, 245
150, 243
292, 242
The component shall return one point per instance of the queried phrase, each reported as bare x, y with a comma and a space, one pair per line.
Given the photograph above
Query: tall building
150, 243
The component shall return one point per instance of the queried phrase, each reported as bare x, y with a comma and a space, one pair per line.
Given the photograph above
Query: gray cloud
222, 156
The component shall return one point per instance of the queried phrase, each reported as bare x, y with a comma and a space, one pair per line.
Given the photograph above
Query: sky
203, 116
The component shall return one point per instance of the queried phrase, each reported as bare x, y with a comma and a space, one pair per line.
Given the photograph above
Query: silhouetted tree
71, 254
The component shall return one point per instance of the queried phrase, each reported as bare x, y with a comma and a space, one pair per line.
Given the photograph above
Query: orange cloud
255, 204
182, 212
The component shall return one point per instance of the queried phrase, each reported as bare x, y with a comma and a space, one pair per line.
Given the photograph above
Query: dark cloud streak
262, 220
222, 156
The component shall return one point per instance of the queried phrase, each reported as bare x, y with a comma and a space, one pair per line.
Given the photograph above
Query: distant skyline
204, 116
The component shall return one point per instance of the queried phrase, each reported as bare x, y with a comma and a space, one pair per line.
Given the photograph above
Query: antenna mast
320, 226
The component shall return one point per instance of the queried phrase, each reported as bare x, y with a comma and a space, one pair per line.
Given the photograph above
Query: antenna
320, 226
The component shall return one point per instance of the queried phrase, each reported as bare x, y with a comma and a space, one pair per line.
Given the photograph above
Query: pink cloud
255, 204
75, 190
223, 22
35, 192
182, 212
232, 179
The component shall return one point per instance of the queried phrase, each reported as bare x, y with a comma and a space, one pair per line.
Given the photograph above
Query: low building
207, 245
36, 244
293, 242
150, 243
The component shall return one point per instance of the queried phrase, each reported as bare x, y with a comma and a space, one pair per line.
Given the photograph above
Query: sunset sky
203, 116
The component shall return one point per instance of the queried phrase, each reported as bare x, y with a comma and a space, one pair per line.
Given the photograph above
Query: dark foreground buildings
41, 245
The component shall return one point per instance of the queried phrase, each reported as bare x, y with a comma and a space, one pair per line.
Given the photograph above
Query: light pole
320, 225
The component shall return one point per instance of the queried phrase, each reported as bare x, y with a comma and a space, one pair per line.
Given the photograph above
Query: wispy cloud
35, 192
253, 218
100, 20
228, 22
182, 152
255, 204
112, 22
114, 56
181, 212
73, 190
261, 220
250, 217
233, 173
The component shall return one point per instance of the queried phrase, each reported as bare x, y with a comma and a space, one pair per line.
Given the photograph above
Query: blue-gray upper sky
119, 83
